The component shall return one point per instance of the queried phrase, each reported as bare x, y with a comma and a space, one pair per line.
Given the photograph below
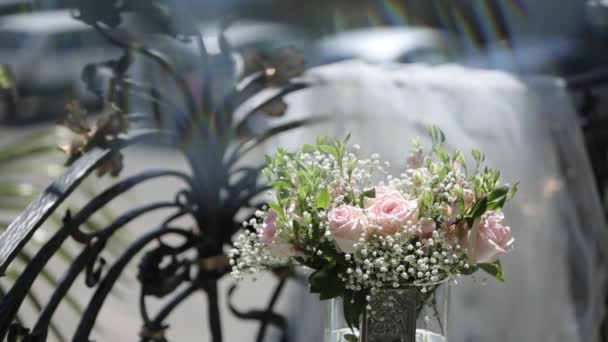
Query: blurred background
453, 48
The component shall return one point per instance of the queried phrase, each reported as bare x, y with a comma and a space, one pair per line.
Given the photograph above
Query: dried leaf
214, 263
112, 122
74, 149
285, 64
112, 165
252, 61
274, 108
76, 119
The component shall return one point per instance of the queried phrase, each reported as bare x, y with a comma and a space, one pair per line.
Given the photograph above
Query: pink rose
277, 246
458, 232
427, 226
451, 211
390, 210
291, 213
283, 249
346, 225
489, 238
468, 197
270, 228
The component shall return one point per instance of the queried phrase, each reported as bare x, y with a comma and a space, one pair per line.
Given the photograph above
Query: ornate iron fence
211, 194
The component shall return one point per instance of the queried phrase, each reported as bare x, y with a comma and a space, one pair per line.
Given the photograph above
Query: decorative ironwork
392, 317
212, 194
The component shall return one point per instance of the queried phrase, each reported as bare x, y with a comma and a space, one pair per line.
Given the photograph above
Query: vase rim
419, 285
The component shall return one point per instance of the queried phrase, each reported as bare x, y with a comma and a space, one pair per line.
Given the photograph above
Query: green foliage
294, 180
326, 283
351, 338
437, 136
497, 198
470, 270
513, 191
417, 144
323, 199
494, 269
371, 193
353, 305
477, 210
478, 156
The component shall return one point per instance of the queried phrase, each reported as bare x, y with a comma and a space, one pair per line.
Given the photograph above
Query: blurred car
561, 56
522, 55
387, 45
14, 6
47, 52
265, 36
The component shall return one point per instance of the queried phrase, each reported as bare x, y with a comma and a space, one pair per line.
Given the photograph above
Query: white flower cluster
398, 260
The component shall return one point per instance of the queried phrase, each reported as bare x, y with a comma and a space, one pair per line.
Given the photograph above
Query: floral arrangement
361, 229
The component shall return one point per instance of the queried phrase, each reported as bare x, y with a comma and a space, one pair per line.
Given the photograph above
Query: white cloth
556, 276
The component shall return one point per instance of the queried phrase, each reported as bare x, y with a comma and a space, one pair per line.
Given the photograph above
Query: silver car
387, 45
46, 52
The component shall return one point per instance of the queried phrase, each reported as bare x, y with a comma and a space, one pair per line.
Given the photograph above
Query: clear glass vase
397, 315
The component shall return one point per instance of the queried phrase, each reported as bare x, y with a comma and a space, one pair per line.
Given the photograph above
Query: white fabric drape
556, 276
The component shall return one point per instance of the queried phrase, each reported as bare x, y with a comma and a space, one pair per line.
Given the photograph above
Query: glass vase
409, 314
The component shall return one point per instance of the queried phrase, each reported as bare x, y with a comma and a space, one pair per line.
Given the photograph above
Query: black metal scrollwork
215, 189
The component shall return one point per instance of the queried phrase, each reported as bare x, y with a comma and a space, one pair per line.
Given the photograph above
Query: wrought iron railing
212, 193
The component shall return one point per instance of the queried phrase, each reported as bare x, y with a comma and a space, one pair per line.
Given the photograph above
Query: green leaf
278, 209
498, 197
436, 135
322, 140
326, 283
308, 148
301, 165
494, 269
371, 193
296, 230
478, 209
331, 150
425, 201
347, 138
316, 280
332, 291
353, 306
352, 164
417, 144
323, 199
513, 192
478, 156
468, 271
442, 154
279, 184
351, 338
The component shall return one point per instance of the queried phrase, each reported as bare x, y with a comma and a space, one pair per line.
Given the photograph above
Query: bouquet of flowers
361, 230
